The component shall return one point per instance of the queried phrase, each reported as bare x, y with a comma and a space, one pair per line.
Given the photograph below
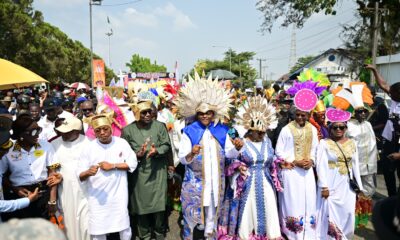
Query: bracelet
52, 202
115, 166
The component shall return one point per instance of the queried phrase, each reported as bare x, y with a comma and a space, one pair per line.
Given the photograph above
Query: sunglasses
361, 111
87, 109
34, 132
339, 127
145, 112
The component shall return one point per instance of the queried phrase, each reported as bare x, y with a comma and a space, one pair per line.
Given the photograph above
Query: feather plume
257, 114
199, 91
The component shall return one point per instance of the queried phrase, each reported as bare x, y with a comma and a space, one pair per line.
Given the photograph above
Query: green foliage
143, 64
365, 74
302, 61
358, 37
239, 64
30, 42
292, 11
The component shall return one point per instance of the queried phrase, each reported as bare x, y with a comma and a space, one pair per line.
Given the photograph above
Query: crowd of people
299, 163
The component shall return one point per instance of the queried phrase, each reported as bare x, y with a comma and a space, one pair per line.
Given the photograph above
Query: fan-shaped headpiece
257, 114
202, 95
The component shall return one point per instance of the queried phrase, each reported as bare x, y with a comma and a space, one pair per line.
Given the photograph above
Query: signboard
99, 74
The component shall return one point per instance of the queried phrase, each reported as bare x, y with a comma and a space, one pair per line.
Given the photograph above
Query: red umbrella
79, 85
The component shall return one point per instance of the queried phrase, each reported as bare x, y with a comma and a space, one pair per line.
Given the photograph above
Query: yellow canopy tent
15, 76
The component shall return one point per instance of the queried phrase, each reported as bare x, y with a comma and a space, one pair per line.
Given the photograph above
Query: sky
188, 30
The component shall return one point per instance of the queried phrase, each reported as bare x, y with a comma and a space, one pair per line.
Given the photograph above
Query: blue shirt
13, 205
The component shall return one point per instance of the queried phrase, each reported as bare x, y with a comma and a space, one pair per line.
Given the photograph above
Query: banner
99, 74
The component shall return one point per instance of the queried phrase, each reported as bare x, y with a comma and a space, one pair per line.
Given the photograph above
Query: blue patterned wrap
192, 186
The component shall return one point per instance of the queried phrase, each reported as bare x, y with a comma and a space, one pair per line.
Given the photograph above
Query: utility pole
260, 62
375, 37
375, 40
92, 2
265, 72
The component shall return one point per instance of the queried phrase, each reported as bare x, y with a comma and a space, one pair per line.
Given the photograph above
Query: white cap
70, 124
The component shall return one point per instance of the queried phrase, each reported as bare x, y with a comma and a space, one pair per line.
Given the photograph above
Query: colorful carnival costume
297, 201
204, 181
107, 105
318, 120
250, 205
357, 97
336, 213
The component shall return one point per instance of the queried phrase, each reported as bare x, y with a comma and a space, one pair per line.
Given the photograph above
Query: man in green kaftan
148, 184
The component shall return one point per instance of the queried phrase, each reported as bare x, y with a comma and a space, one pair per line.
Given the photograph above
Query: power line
307, 37
121, 4
308, 28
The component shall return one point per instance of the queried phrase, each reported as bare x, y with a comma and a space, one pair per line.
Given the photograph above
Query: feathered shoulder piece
202, 95
257, 114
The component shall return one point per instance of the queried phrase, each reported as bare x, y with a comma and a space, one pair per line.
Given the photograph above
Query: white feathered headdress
257, 114
202, 95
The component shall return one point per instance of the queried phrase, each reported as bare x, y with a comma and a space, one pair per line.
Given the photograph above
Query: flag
126, 81
176, 73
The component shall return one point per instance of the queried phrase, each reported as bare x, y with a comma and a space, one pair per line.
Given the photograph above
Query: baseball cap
70, 124
49, 103
81, 99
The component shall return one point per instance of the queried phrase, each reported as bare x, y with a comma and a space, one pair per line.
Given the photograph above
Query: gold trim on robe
302, 140
348, 149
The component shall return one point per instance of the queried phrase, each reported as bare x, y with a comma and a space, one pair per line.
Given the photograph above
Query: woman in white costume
337, 160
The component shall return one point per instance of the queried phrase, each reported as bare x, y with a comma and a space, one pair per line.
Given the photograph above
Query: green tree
239, 64
143, 64
292, 11
30, 42
302, 61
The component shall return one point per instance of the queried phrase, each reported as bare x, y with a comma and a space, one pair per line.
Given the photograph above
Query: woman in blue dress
250, 206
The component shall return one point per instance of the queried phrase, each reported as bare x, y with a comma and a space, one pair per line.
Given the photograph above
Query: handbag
353, 184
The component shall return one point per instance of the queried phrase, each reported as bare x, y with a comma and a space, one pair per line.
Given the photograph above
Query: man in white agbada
104, 168
296, 146
361, 131
72, 199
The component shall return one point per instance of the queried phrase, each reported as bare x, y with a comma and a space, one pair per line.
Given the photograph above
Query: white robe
297, 202
338, 210
71, 195
108, 190
364, 136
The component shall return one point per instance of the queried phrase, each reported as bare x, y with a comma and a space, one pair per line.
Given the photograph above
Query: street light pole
109, 34
92, 2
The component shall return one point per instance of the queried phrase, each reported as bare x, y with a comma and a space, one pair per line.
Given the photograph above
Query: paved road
366, 233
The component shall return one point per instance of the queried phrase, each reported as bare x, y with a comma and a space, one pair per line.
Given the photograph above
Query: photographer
391, 133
